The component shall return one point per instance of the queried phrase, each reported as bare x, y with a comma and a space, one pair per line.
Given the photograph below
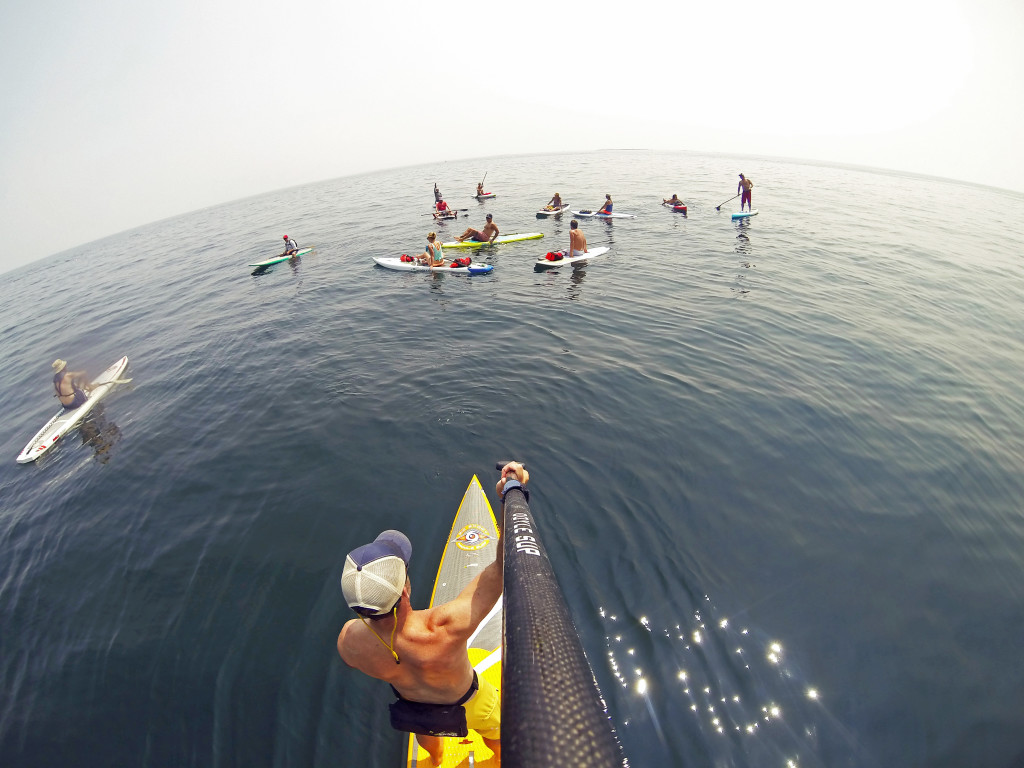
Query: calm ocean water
777, 464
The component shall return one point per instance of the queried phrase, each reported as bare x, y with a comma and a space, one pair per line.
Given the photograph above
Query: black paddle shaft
552, 712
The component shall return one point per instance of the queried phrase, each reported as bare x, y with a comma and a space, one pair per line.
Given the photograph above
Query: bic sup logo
472, 537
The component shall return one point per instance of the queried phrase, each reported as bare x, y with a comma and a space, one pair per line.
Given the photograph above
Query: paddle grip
501, 464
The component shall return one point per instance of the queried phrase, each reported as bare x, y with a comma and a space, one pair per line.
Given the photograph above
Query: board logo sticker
472, 537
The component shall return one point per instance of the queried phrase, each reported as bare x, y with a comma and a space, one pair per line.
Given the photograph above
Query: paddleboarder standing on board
487, 235
577, 240
423, 654
70, 385
290, 247
743, 188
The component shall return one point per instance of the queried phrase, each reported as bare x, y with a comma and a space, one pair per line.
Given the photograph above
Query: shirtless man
674, 200
487, 235
70, 385
744, 188
423, 654
577, 240
433, 256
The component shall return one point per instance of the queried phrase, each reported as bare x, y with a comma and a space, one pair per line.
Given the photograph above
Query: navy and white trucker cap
374, 574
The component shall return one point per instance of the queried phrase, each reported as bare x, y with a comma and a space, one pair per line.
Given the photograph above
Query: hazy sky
118, 113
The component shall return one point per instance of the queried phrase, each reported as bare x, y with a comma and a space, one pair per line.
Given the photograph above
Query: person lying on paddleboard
744, 188
490, 231
607, 207
577, 240
556, 202
290, 246
423, 654
674, 200
433, 256
70, 385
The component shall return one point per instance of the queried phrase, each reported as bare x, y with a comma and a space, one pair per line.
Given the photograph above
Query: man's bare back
431, 645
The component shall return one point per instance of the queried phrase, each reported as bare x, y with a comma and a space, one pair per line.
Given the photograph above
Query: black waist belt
432, 719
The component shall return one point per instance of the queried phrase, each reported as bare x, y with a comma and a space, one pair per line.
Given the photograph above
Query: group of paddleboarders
424, 654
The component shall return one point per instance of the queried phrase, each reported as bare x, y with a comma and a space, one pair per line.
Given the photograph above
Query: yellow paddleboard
471, 547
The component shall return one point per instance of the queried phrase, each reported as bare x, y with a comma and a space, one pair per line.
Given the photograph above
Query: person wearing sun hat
70, 386
423, 654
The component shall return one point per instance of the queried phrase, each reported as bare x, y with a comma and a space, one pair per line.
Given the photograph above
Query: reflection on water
723, 686
96, 431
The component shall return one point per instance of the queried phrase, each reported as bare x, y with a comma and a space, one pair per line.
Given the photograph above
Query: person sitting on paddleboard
744, 188
290, 247
556, 202
674, 200
480, 189
423, 654
607, 207
443, 211
490, 231
577, 240
69, 385
433, 256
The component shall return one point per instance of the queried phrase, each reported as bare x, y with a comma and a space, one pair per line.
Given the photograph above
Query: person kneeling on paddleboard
490, 231
607, 207
433, 256
71, 391
290, 246
424, 655
577, 240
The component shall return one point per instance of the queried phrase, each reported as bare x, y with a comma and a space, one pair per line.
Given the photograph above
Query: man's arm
495, 235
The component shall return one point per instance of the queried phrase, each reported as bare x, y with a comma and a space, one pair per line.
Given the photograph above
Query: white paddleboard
278, 259
745, 214
66, 420
543, 263
551, 211
485, 196
396, 263
612, 215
